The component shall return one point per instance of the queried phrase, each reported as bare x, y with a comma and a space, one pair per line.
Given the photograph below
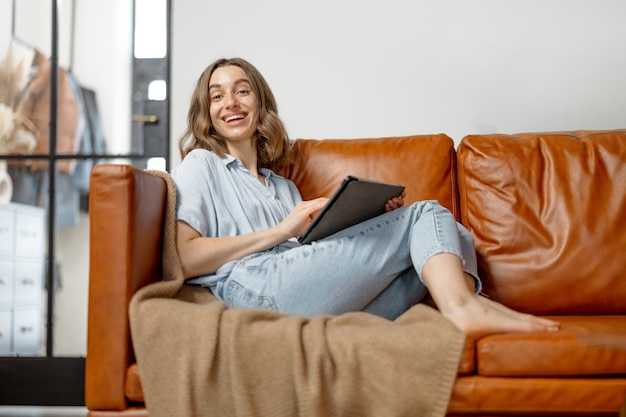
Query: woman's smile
236, 118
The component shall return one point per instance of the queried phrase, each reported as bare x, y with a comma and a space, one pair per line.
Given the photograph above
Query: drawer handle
4, 281
26, 329
28, 281
25, 233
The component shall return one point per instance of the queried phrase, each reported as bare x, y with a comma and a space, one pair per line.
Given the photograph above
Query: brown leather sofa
548, 214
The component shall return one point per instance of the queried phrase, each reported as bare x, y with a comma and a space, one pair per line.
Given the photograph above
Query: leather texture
126, 215
425, 165
546, 211
500, 396
586, 346
132, 388
129, 412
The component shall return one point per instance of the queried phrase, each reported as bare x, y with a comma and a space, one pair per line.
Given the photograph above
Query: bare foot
453, 292
479, 316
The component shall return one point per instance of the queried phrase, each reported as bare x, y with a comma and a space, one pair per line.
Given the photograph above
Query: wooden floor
15, 411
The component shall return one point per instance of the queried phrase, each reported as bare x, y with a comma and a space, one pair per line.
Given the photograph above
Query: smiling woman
238, 224
227, 89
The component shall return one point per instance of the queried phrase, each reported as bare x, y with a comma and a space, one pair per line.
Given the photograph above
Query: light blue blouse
219, 197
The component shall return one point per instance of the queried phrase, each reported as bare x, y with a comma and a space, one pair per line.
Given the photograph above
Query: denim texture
374, 266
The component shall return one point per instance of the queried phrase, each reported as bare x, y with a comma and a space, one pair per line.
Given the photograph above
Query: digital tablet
356, 200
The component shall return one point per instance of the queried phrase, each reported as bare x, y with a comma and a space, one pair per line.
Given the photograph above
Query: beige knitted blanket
198, 358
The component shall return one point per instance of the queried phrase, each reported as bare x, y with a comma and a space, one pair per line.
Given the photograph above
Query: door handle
145, 118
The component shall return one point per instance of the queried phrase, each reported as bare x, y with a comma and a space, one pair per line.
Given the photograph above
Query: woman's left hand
396, 202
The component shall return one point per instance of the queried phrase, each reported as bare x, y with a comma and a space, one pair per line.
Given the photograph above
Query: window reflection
157, 90
150, 28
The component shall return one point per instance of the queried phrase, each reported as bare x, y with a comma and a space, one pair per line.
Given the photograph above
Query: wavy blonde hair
271, 136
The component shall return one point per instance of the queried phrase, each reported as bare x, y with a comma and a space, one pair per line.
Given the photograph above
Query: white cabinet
22, 266
6, 331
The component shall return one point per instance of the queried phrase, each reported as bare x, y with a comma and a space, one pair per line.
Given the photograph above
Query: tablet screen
356, 200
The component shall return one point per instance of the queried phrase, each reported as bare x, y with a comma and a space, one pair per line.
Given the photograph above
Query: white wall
103, 62
367, 68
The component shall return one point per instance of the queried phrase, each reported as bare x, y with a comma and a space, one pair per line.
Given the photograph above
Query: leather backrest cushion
425, 165
548, 214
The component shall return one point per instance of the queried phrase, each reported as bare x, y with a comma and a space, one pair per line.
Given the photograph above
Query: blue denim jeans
374, 266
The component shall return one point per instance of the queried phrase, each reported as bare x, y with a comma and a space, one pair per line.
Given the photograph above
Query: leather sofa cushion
424, 164
493, 396
585, 346
467, 366
547, 214
132, 387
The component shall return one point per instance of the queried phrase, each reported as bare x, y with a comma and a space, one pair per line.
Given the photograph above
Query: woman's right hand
300, 218
204, 255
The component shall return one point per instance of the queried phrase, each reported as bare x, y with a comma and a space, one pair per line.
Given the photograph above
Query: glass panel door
85, 98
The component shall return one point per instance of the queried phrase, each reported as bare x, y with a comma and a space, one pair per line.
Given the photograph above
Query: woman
238, 222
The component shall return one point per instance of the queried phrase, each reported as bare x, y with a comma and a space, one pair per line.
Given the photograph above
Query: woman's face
233, 107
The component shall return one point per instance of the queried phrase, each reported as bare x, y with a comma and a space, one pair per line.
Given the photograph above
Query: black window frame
52, 380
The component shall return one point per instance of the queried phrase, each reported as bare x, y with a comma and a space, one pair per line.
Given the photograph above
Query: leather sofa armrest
127, 207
